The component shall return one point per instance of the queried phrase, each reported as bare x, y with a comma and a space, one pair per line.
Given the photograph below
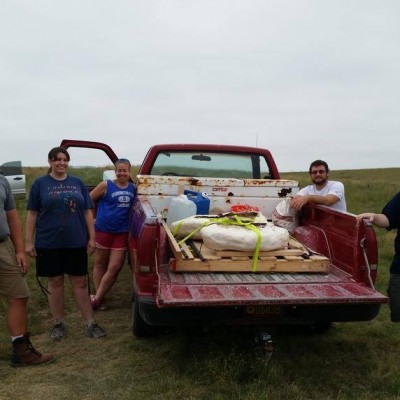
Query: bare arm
298, 202
91, 246
98, 192
30, 228
379, 220
16, 235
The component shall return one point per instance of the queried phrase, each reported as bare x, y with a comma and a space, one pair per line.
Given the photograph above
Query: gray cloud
306, 79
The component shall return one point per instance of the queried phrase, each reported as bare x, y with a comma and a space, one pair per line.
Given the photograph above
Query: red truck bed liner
223, 289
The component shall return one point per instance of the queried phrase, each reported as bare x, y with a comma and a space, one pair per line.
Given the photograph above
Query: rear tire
140, 328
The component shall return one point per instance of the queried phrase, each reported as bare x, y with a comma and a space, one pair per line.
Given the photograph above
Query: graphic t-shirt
114, 208
61, 207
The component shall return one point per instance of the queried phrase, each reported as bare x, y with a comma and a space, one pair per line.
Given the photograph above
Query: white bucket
179, 208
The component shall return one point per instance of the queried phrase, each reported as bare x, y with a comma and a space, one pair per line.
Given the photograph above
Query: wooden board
283, 252
200, 258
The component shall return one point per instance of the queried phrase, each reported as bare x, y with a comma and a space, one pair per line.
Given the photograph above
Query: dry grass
82, 363
352, 361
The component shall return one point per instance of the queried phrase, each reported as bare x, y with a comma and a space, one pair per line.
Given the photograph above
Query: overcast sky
306, 79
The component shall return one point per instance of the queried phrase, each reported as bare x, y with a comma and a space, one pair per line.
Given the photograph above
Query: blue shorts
56, 262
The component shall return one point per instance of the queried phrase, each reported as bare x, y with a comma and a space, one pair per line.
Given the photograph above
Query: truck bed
327, 285
339, 291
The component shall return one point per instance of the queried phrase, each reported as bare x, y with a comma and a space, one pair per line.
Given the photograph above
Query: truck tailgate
235, 289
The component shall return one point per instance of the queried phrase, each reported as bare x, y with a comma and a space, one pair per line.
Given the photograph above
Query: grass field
351, 361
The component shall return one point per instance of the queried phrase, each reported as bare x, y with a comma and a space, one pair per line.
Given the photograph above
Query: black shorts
56, 262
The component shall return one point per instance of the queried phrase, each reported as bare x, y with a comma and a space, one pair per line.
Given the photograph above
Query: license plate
264, 311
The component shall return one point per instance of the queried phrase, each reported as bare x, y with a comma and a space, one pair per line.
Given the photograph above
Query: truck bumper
254, 315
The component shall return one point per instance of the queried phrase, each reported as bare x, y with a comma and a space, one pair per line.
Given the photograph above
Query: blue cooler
201, 200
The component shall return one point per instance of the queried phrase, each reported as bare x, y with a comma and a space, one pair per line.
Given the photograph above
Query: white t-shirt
331, 187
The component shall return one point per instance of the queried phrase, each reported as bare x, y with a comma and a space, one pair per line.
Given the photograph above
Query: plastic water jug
179, 208
201, 200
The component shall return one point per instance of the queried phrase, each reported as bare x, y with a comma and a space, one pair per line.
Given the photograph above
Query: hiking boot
58, 332
95, 331
24, 354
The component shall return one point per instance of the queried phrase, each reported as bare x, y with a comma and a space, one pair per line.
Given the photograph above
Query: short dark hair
316, 163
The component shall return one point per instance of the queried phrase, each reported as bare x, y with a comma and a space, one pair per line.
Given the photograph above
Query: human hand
30, 250
369, 216
298, 202
91, 247
21, 261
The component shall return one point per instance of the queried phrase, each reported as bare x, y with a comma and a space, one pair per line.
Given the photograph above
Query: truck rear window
215, 165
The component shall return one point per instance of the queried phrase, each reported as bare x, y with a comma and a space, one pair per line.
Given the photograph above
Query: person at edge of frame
13, 285
389, 218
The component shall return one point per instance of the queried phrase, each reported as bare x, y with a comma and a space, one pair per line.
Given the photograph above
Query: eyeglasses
122, 160
320, 171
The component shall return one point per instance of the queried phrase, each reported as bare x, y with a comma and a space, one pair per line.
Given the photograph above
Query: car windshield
215, 165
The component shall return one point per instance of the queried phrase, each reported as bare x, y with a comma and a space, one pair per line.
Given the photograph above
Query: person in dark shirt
60, 235
389, 218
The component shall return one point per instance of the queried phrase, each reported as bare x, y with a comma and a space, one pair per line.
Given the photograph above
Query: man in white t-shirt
323, 191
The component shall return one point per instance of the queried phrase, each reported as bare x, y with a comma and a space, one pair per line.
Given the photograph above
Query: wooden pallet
196, 257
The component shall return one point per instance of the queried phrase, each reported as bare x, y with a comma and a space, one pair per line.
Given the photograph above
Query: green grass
351, 361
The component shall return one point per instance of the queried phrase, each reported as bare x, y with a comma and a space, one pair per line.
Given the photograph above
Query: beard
319, 181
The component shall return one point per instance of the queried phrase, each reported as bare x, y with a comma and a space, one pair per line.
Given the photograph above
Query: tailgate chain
362, 241
158, 275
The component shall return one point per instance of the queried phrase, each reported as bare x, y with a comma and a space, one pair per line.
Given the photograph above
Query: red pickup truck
237, 175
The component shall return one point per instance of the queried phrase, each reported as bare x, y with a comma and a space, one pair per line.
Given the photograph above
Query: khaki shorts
12, 282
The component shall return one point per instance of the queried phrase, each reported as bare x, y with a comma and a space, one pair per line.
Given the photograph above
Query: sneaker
95, 331
97, 304
58, 332
102, 306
